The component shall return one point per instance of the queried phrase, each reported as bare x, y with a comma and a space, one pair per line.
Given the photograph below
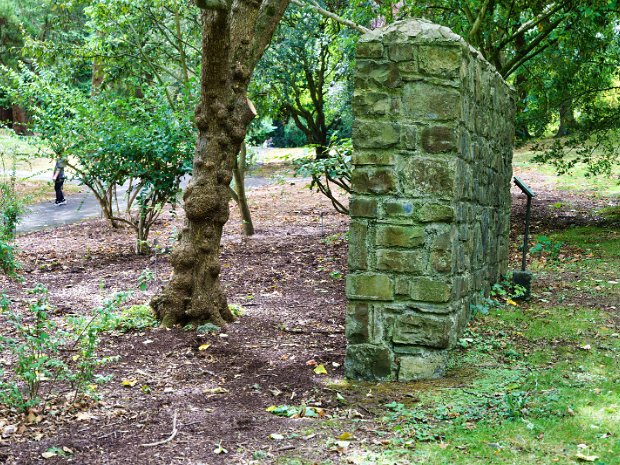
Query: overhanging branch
328, 14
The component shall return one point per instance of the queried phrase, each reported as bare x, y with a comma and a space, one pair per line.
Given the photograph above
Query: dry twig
169, 438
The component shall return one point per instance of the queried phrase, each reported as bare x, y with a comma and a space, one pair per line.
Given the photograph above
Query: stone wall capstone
432, 165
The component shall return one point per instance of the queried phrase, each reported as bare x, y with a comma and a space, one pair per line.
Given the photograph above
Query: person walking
59, 179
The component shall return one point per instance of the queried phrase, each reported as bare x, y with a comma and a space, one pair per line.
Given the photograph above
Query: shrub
51, 360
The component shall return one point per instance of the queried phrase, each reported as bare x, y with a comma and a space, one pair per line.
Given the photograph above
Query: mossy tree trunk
235, 35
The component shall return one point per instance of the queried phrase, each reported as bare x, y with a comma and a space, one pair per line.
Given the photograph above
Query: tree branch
328, 14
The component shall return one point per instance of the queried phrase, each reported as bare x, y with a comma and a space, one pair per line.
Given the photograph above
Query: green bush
134, 318
50, 360
11, 208
335, 170
546, 246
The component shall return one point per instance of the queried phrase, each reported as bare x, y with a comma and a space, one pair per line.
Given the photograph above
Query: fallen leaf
320, 370
48, 454
275, 392
220, 450
586, 458
276, 437
342, 446
129, 382
215, 391
9, 430
311, 363
33, 418
204, 346
85, 416
346, 436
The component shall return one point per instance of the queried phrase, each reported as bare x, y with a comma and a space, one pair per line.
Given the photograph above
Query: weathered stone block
435, 212
358, 245
428, 364
408, 137
401, 286
427, 102
367, 361
441, 261
357, 323
440, 60
370, 286
399, 236
398, 208
401, 51
363, 207
429, 290
428, 176
401, 261
438, 139
373, 180
369, 49
372, 158
423, 329
372, 103
375, 134
379, 75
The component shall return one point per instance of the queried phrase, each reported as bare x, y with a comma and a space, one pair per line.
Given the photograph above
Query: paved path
84, 206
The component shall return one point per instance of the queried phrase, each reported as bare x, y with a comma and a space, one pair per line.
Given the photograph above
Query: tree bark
240, 197
20, 121
6, 116
234, 39
568, 123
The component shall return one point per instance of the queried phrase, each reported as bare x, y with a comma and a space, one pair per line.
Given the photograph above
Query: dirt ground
289, 280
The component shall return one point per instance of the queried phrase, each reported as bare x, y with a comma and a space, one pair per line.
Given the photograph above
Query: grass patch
604, 186
602, 242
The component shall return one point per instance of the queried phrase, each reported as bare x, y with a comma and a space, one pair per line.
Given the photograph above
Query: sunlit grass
605, 186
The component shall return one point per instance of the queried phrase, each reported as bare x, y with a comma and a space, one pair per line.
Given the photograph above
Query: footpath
84, 206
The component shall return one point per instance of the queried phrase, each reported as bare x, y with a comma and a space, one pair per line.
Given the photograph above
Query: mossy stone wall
433, 142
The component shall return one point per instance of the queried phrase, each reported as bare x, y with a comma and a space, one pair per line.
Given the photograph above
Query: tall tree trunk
568, 123
6, 116
20, 121
235, 35
241, 199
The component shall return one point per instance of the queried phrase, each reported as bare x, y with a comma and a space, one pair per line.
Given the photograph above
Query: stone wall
430, 211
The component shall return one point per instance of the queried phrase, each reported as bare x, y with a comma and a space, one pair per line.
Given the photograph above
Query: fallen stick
169, 438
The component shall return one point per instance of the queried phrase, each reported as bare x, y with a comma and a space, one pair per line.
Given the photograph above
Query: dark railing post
523, 277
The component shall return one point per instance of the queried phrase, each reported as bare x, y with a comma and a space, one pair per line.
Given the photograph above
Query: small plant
145, 278
545, 245
336, 275
134, 318
50, 360
331, 173
208, 328
11, 208
236, 310
501, 294
334, 239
